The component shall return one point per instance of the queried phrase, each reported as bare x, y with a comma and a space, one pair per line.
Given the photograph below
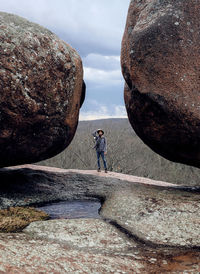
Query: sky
95, 29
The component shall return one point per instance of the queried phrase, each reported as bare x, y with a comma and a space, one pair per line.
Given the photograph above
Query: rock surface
129, 238
28, 253
41, 90
156, 216
160, 64
77, 233
153, 211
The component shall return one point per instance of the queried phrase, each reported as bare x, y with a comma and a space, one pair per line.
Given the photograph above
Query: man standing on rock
101, 148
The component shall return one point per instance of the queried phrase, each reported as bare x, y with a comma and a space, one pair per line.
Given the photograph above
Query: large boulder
160, 61
41, 91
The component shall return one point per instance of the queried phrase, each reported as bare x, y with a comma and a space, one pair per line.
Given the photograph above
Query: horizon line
102, 118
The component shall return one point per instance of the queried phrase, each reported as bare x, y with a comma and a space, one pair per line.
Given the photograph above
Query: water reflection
72, 209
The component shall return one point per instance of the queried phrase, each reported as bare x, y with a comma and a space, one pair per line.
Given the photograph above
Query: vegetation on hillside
126, 154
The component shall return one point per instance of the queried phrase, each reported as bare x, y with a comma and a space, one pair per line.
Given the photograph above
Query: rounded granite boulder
160, 61
41, 91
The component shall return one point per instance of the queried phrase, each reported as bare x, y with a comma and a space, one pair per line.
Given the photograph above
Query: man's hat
100, 130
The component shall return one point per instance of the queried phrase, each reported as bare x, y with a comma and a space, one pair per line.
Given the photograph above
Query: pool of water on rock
72, 209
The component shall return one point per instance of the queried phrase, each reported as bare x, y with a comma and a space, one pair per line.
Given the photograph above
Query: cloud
103, 72
102, 77
103, 112
99, 61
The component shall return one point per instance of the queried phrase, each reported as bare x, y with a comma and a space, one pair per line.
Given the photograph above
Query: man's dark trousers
101, 153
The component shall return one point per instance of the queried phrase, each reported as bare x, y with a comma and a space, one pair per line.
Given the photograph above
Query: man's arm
94, 134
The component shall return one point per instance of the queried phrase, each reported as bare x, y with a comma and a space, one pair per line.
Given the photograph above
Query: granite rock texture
41, 91
160, 64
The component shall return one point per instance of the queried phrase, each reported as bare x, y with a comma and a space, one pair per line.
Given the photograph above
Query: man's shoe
99, 170
106, 171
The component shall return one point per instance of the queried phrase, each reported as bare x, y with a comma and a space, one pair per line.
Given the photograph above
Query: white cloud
104, 62
103, 77
120, 111
104, 112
